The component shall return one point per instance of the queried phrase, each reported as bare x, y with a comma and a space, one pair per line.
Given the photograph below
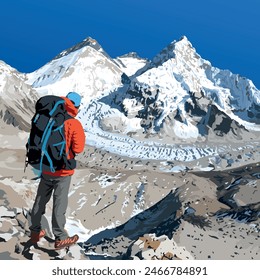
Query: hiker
58, 181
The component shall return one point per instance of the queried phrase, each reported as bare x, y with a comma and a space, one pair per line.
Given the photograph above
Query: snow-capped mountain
85, 68
17, 98
143, 108
176, 98
178, 70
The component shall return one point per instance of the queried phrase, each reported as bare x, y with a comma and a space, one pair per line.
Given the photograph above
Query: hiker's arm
78, 138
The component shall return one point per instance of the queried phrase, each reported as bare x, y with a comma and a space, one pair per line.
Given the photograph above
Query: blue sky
225, 32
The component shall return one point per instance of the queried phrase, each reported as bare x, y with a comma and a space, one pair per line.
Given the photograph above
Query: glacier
174, 107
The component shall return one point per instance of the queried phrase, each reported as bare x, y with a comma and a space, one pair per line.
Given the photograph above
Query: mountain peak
184, 39
131, 54
172, 50
181, 44
88, 42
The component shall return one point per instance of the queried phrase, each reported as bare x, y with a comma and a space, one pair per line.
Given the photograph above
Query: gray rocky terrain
127, 209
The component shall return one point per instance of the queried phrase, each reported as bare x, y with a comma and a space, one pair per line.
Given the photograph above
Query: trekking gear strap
45, 138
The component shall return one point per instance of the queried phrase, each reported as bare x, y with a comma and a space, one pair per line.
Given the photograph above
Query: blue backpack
46, 147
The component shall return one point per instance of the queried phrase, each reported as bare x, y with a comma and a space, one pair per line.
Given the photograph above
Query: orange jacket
75, 137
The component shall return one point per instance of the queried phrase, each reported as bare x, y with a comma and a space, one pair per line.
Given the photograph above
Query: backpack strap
63, 142
45, 138
56, 106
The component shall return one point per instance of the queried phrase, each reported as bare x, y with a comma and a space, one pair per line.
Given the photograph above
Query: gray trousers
59, 186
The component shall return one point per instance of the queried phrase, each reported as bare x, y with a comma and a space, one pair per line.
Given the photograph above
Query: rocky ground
128, 209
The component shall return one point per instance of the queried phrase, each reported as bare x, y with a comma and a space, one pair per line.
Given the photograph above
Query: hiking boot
66, 242
36, 236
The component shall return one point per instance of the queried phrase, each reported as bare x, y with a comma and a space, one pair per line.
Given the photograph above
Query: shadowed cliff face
199, 110
144, 222
195, 221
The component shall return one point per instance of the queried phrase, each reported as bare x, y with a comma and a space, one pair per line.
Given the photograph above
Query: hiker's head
75, 98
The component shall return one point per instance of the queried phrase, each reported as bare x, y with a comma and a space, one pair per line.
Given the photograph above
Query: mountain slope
84, 68
131, 63
178, 70
17, 98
